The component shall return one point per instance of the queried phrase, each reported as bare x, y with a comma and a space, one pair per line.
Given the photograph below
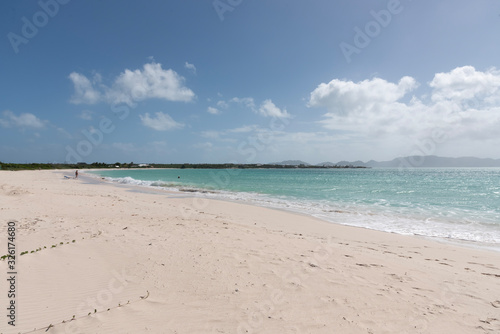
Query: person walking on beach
76, 174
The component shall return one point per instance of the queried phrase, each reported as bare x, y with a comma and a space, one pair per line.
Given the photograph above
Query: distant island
427, 161
410, 161
407, 162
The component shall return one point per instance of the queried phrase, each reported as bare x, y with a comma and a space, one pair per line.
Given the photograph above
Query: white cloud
84, 90
243, 129
190, 67
465, 83
222, 104
25, 120
132, 86
464, 103
266, 109
252, 143
343, 97
151, 82
161, 122
246, 101
213, 111
269, 109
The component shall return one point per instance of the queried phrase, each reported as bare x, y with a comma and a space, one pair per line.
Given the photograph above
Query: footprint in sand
17, 192
496, 304
486, 265
489, 274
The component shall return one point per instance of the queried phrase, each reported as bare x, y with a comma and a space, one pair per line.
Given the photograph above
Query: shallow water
450, 203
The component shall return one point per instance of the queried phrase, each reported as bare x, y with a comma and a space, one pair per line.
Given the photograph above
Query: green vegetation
37, 166
244, 166
102, 165
37, 250
95, 312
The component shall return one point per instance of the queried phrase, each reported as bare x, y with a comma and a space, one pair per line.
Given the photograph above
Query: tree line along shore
102, 165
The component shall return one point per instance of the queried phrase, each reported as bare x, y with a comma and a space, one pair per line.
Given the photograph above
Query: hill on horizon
410, 162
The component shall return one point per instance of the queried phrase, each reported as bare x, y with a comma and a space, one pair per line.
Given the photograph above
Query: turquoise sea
456, 204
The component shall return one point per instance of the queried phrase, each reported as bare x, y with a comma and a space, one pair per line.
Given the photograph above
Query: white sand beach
112, 259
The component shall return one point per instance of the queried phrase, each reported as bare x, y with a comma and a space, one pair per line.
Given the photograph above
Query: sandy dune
112, 259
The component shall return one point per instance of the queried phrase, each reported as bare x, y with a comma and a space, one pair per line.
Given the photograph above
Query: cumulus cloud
152, 81
25, 120
160, 122
466, 83
222, 104
269, 109
464, 103
244, 129
246, 101
190, 67
343, 97
84, 90
213, 111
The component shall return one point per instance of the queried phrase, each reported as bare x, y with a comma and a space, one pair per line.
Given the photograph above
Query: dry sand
153, 262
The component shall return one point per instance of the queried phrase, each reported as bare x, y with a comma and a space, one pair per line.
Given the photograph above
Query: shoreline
156, 262
494, 247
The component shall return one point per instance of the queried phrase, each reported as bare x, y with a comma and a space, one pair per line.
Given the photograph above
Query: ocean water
455, 204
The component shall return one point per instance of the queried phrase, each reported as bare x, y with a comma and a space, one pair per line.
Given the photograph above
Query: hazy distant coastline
414, 161
406, 162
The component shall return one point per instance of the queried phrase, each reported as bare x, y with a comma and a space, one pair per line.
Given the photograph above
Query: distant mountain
291, 163
342, 163
411, 161
427, 161
351, 163
325, 164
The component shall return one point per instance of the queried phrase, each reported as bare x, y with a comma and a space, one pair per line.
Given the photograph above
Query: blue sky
248, 81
